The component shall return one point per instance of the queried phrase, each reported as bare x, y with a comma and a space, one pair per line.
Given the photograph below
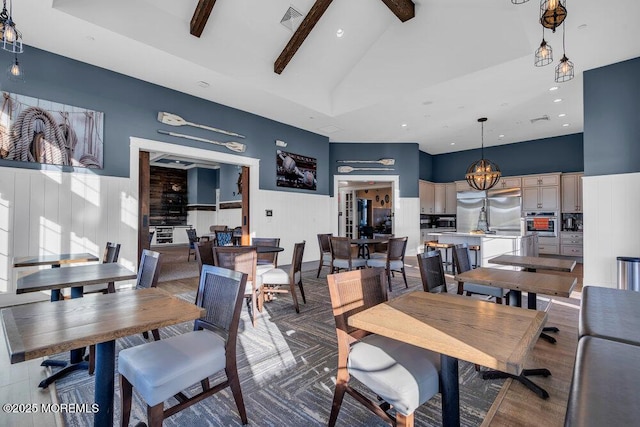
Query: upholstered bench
605, 384
612, 314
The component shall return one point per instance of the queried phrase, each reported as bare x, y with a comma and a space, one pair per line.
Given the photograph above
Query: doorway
139, 164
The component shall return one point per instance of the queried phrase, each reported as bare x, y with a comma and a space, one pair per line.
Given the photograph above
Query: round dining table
363, 245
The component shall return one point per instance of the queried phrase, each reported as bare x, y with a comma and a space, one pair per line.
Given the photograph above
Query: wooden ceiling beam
403, 9
201, 16
309, 21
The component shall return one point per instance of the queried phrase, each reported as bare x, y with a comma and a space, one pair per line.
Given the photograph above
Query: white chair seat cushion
403, 375
249, 286
275, 276
475, 288
261, 269
265, 263
382, 262
160, 369
355, 263
326, 257
378, 255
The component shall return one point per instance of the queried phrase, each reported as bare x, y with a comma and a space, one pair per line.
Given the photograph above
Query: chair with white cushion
394, 261
401, 375
163, 369
325, 251
342, 255
276, 277
267, 259
463, 263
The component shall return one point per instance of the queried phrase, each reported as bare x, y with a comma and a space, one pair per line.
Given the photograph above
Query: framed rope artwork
40, 131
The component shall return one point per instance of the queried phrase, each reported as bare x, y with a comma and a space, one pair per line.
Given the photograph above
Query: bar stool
432, 245
476, 250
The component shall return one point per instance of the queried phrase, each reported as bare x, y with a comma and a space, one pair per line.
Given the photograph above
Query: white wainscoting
611, 206
232, 218
50, 212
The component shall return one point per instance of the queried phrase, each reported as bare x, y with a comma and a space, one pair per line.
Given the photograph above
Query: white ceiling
457, 60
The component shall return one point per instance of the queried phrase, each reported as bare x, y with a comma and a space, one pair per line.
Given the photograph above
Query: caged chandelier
11, 41
483, 174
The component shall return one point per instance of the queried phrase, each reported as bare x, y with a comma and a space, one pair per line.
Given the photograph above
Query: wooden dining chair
401, 375
379, 250
245, 260
394, 260
162, 369
111, 253
193, 239
273, 279
325, 251
342, 255
432, 272
463, 263
268, 259
148, 274
204, 254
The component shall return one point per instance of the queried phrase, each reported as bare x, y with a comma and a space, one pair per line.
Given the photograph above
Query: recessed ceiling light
340, 32
177, 161
561, 115
557, 100
202, 83
552, 88
404, 125
453, 143
565, 125
501, 136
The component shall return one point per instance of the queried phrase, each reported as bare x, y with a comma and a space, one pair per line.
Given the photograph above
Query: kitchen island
492, 245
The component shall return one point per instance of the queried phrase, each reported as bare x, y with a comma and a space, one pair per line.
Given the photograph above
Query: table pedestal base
522, 378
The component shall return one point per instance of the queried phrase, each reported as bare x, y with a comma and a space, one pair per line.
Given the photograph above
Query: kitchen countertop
502, 235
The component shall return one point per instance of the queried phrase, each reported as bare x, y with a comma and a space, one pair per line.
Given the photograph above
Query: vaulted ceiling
436, 73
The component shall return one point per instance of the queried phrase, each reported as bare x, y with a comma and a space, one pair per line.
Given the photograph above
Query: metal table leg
450, 391
105, 370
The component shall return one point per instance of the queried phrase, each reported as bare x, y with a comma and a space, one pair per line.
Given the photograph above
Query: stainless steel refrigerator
503, 210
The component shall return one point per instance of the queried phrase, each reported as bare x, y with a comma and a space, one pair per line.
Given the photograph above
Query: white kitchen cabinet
572, 192
549, 245
451, 198
440, 201
509, 182
463, 186
427, 197
571, 243
541, 180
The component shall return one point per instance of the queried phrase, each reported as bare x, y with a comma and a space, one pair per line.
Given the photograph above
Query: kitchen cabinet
571, 243
463, 186
509, 182
445, 198
168, 235
427, 197
541, 192
572, 192
548, 245
451, 198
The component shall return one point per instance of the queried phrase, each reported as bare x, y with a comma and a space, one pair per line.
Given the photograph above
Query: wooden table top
538, 263
493, 335
82, 275
540, 283
41, 329
57, 259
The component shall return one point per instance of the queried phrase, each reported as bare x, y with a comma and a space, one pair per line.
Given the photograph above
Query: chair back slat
149, 270
396, 248
224, 238
270, 257
341, 247
461, 258
324, 243
296, 264
431, 272
204, 254
220, 293
111, 252
354, 291
238, 258
192, 235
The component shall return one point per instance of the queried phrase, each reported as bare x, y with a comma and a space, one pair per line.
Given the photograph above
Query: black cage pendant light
483, 174
552, 13
10, 37
519, 1
544, 54
564, 70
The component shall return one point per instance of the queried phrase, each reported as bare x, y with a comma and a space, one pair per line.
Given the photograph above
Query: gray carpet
287, 366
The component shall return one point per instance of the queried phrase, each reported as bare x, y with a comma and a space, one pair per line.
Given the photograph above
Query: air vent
291, 19
537, 119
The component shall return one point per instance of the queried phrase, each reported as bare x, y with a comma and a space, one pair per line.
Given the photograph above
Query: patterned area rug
287, 366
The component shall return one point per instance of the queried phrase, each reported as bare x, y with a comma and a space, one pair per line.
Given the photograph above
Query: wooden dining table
363, 245
492, 335
75, 278
42, 329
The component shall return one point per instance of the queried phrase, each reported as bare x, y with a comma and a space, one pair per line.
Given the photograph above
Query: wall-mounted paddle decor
295, 170
40, 131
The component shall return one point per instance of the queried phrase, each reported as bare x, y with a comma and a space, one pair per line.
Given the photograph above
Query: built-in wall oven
544, 223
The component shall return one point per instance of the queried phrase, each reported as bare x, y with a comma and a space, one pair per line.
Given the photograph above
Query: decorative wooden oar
386, 162
347, 169
231, 145
175, 120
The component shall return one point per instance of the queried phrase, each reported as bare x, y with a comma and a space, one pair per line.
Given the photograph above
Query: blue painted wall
406, 155
202, 184
559, 154
229, 183
612, 119
131, 107
426, 167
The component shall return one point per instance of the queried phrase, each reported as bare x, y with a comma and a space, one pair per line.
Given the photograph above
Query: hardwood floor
514, 406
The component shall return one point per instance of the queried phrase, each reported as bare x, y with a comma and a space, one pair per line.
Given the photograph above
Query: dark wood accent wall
168, 196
